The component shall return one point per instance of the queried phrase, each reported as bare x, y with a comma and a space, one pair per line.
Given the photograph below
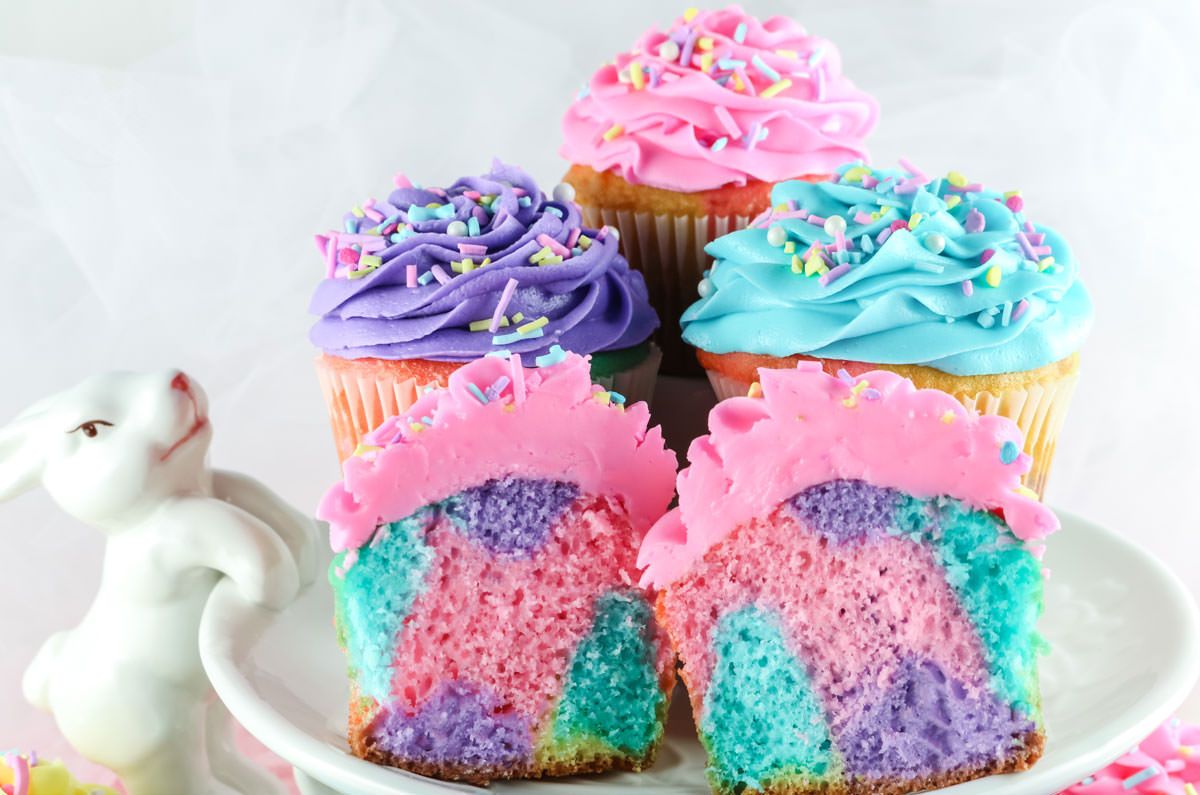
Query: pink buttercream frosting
720, 98
500, 419
808, 428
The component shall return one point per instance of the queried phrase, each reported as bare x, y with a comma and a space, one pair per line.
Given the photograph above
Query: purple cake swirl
487, 264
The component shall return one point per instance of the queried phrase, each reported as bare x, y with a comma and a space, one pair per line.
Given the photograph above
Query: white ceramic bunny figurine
125, 453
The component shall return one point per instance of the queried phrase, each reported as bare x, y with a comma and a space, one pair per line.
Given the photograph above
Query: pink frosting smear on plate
1165, 763
808, 428
498, 416
719, 98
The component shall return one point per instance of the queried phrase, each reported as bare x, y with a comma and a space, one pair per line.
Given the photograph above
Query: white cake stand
1126, 639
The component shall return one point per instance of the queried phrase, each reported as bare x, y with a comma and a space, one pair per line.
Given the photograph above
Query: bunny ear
20, 463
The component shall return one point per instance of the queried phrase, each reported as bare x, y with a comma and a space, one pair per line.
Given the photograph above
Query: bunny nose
180, 382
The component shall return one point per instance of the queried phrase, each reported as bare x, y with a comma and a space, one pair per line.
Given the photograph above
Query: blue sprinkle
816, 56
866, 245
739, 35
445, 211
1089, 781
577, 251
401, 235
616, 397
391, 219
524, 201
417, 214
504, 353
763, 133
472, 227
731, 63
1009, 452
761, 65
550, 208
516, 336
352, 226
722, 80
1138, 778
425, 278
886, 185
1006, 314
583, 92
477, 392
556, 355
426, 421
985, 320
928, 267
719, 144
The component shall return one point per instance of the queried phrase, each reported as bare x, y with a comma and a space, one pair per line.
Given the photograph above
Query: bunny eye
91, 427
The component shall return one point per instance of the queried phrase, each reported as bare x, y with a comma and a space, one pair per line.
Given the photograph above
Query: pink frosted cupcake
485, 581
679, 140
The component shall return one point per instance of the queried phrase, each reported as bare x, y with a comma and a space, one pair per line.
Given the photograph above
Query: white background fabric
163, 167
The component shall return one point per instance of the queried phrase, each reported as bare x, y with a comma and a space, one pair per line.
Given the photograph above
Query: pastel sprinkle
425, 278
755, 390
975, 222
956, 179
613, 131
705, 43
1045, 263
473, 229
834, 274
767, 71
776, 87
401, 181
914, 220
993, 276
706, 61
471, 250
506, 295
1020, 309
727, 121
516, 336
856, 174
617, 397
1139, 777
986, 255
518, 317
967, 287
690, 13
439, 274
739, 35
554, 356
948, 417
533, 325
553, 245
636, 76
477, 392
486, 324
816, 56
952, 202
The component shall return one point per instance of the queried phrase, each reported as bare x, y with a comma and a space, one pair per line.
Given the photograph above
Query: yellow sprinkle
1188, 789
914, 220
358, 212
486, 261
815, 264
956, 179
510, 407
689, 13
1027, 492
584, 242
1045, 263
849, 403
533, 324
858, 387
877, 214
797, 264
613, 131
789, 247
482, 325
787, 53
416, 426
550, 260
993, 275
364, 448
948, 417
800, 417
706, 61
755, 390
952, 201
856, 174
1008, 194
781, 208
517, 318
538, 256
775, 88
370, 261
704, 43
636, 76
433, 205
737, 82
462, 266
1186, 750
604, 398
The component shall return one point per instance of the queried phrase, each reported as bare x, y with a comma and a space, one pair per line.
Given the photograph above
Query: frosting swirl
718, 99
421, 275
888, 266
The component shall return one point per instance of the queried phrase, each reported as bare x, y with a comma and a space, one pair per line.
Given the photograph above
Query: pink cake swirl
816, 428
1165, 763
497, 416
719, 98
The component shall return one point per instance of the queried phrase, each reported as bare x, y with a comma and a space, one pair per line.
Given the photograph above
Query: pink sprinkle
573, 237
727, 121
20, 768
1015, 203
1042, 251
387, 230
553, 245
834, 274
1019, 309
987, 254
816, 220
373, 214
437, 192
502, 306
603, 233
519, 192
911, 169
322, 243
1028, 227
358, 238
899, 224
440, 274
1025, 247
471, 249
974, 187
473, 195
374, 244
862, 218
401, 181
348, 256
967, 287
411, 275
741, 73
1037, 238
518, 377
868, 181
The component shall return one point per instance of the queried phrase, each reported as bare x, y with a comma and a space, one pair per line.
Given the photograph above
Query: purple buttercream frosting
460, 724
370, 306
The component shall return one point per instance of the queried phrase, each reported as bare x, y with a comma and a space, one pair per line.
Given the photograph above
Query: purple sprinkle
967, 287
439, 274
869, 182
1019, 310
845, 377
751, 138
502, 306
655, 76
1025, 247
685, 55
871, 393
791, 205
816, 220
834, 274
1028, 227
975, 221
884, 235
1036, 238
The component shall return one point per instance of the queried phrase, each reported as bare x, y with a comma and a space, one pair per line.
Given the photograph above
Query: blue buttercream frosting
931, 294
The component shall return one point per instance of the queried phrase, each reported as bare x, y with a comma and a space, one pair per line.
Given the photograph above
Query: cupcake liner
635, 383
359, 401
669, 252
1038, 410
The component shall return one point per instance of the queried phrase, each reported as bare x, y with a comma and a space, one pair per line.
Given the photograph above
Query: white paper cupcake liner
1038, 410
669, 251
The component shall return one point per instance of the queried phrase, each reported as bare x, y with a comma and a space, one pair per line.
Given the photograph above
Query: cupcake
485, 578
419, 284
852, 582
940, 280
26, 774
680, 140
